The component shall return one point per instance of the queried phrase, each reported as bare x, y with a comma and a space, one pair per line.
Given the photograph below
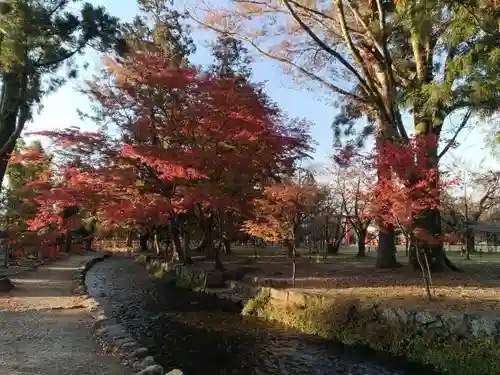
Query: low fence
41, 251
113, 244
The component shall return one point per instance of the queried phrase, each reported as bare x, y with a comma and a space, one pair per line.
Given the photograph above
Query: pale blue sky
60, 108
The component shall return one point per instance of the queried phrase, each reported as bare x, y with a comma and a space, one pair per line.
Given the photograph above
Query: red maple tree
279, 212
184, 142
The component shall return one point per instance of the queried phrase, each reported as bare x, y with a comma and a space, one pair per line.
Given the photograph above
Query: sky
59, 109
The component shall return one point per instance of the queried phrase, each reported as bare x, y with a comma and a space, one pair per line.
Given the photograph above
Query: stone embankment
112, 335
452, 342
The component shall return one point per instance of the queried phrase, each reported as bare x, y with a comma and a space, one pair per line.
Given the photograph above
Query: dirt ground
44, 330
475, 289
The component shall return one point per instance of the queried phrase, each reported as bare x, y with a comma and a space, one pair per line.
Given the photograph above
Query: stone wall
452, 342
447, 324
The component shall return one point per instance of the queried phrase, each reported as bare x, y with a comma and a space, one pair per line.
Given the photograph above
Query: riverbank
46, 329
452, 341
200, 333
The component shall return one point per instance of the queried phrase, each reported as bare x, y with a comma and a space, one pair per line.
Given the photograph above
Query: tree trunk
218, 266
333, 248
227, 246
386, 250
129, 238
176, 241
187, 244
143, 242
430, 221
209, 237
407, 244
156, 243
90, 236
88, 242
10, 110
361, 244
470, 243
67, 241
291, 250
5, 245
327, 234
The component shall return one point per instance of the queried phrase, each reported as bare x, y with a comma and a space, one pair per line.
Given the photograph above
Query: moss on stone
343, 320
141, 259
255, 305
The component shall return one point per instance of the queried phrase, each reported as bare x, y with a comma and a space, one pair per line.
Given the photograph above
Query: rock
175, 372
6, 285
390, 316
146, 362
116, 331
425, 318
482, 325
128, 347
101, 331
279, 295
101, 321
237, 274
139, 353
215, 279
120, 342
152, 370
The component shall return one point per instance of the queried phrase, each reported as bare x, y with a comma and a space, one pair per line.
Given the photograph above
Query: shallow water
201, 334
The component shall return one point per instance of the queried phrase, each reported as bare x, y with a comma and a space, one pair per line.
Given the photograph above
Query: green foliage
19, 174
231, 58
161, 29
448, 61
142, 259
16, 210
37, 38
40, 36
256, 304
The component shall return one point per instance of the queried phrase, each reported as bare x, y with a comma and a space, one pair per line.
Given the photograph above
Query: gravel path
44, 330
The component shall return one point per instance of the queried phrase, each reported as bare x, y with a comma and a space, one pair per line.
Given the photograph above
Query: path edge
110, 334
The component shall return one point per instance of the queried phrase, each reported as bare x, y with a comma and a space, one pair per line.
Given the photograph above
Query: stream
201, 334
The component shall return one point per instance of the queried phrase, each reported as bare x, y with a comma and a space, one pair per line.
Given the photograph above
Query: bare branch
327, 49
460, 127
310, 75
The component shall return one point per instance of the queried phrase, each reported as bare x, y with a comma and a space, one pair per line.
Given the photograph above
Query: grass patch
476, 289
343, 320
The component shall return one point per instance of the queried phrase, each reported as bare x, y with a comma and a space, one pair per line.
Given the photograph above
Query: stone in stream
175, 372
152, 370
6, 285
139, 353
146, 362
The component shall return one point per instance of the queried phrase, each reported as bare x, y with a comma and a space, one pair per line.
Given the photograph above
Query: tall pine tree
161, 29
37, 37
231, 58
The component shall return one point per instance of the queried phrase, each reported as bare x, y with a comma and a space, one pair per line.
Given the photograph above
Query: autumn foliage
278, 211
409, 185
180, 138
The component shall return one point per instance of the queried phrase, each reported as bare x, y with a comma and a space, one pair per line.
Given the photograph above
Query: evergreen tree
37, 38
231, 58
160, 29
16, 210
